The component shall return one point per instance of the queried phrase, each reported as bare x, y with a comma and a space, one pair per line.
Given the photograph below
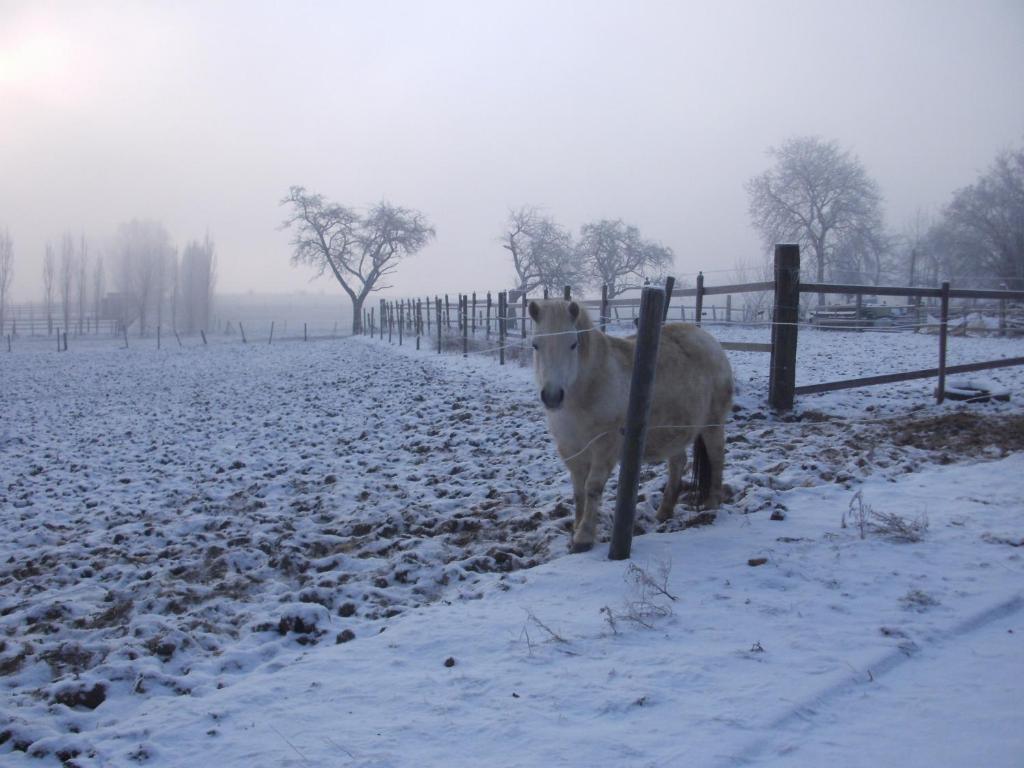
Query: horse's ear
574, 310
535, 311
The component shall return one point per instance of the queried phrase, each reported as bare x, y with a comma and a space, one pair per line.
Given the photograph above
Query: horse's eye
534, 346
574, 345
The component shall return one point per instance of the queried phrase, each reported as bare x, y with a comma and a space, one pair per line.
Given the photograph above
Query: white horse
584, 378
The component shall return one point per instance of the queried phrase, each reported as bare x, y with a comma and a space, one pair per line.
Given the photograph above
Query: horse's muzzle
552, 398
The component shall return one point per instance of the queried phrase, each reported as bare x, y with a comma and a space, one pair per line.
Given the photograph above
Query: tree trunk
357, 316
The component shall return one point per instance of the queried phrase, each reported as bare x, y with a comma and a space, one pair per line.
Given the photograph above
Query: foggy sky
201, 115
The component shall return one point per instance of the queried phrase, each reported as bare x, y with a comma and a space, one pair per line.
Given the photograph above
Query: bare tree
49, 275
67, 277
360, 250
144, 250
982, 229
98, 288
617, 256
196, 280
6, 272
542, 251
82, 283
816, 195
751, 270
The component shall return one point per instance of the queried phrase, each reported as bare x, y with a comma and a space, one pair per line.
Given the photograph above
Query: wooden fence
782, 387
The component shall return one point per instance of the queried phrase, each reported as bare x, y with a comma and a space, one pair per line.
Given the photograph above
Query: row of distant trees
815, 194
362, 250
153, 284
822, 197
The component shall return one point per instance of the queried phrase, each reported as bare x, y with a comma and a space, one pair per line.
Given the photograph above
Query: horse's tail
701, 481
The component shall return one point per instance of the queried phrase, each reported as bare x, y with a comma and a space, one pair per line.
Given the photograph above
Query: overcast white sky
202, 114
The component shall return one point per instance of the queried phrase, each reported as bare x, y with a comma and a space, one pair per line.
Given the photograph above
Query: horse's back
694, 379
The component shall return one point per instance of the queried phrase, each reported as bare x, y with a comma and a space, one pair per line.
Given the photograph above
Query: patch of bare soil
964, 433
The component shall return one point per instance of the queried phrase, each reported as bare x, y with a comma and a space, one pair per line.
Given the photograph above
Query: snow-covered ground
350, 553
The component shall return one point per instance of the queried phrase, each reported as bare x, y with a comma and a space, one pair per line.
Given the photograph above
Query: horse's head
558, 339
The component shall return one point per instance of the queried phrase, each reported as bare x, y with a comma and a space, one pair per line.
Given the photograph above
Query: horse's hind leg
676, 467
714, 442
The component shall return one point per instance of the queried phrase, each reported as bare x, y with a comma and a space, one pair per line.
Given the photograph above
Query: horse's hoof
664, 517
581, 546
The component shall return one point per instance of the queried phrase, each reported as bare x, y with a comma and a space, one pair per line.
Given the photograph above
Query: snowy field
349, 553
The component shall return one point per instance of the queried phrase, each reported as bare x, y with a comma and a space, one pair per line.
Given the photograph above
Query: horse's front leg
578, 470
586, 527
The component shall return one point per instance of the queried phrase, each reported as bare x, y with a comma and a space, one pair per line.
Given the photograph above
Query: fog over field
200, 116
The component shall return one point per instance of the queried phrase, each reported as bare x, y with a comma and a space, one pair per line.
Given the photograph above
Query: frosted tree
542, 251
616, 255
49, 281
66, 279
98, 289
981, 231
360, 250
6, 273
196, 281
82, 283
819, 196
144, 251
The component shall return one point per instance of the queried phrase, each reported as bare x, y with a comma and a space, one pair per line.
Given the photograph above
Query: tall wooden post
437, 307
465, 326
502, 308
383, 318
645, 358
524, 315
782, 375
860, 312
428, 315
447, 312
401, 321
567, 293
271, 340
488, 331
604, 307
699, 314
670, 283
940, 392
728, 308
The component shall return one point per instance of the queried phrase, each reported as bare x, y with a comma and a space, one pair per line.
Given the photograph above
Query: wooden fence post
670, 283
203, 334
419, 322
860, 312
940, 392
271, 341
782, 376
524, 315
488, 332
447, 312
567, 293
383, 318
604, 307
645, 358
244, 340
465, 325
1002, 317
502, 308
728, 308
437, 306
157, 339
401, 320
473, 316
699, 313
